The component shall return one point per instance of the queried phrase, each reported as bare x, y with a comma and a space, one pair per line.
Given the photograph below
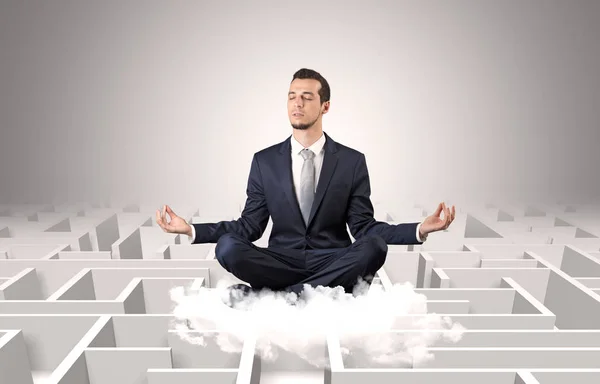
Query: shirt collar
316, 147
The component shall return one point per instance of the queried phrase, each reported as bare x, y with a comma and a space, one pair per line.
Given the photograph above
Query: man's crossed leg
282, 269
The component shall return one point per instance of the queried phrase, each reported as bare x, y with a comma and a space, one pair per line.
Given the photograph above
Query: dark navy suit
319, 253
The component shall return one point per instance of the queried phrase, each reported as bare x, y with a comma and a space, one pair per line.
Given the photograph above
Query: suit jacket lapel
329, 163
285, 175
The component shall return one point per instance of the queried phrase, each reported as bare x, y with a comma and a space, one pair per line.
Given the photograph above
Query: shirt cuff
419, 239
193, 237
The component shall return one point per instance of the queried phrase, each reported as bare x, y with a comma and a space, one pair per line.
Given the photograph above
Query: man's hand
176, 225
434, 223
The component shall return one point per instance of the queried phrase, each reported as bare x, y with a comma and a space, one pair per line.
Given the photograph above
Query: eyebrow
310, 93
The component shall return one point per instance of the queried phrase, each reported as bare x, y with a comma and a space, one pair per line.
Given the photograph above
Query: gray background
166, 101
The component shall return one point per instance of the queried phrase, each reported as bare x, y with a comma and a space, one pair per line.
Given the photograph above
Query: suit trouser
289, 269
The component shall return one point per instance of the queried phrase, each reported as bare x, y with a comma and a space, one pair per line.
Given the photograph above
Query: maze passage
85, 299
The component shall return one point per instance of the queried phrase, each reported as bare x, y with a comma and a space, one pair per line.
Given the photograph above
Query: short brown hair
305, 73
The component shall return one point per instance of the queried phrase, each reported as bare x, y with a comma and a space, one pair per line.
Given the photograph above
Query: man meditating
312, 187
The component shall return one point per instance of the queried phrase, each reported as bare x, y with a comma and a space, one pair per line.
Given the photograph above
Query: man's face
304, 103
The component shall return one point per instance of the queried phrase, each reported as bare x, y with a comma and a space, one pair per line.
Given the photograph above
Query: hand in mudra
175, 225
435, 223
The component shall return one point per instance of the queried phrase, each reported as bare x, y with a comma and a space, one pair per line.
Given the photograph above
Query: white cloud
362, 322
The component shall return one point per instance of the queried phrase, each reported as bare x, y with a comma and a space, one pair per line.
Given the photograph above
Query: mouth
297, 114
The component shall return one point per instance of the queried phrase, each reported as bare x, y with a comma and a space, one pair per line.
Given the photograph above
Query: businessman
313, 188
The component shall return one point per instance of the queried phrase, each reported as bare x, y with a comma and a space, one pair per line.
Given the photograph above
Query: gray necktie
307, 183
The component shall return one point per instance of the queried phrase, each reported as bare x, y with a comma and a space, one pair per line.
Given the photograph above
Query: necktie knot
307, 154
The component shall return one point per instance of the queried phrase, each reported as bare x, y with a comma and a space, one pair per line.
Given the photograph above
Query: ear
326, 106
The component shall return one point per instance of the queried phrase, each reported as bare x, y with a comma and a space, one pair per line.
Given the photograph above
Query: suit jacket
342, 197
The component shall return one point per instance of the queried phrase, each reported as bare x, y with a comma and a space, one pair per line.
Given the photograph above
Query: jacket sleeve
253, 220
360, 213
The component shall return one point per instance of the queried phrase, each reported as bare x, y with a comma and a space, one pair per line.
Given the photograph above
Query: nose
297, 101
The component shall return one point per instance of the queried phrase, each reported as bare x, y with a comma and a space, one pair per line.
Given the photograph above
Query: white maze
84, 298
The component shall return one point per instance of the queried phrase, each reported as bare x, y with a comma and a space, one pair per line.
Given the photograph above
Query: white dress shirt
298, 161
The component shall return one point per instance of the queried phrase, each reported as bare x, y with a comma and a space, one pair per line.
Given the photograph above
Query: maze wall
84, 299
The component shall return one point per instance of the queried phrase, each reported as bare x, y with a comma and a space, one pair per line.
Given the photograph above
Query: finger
438, 210
159, 220
163, 219
170, 212
446, 217
164, 213
453, 212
